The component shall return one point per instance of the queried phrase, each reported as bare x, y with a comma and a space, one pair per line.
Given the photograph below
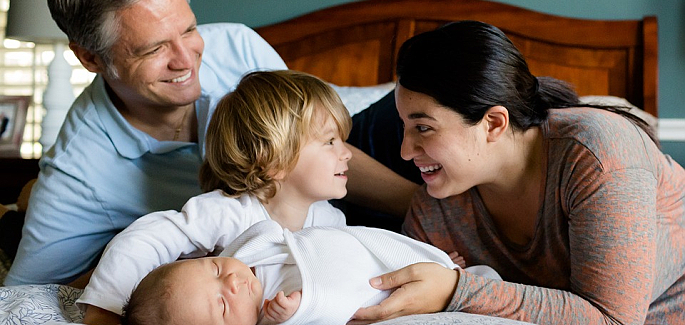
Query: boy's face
319, 173
214, 290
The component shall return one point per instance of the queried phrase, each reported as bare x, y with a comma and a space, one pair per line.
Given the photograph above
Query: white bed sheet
55, 304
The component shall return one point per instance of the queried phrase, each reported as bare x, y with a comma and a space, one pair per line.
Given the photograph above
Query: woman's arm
612, 248
373, 185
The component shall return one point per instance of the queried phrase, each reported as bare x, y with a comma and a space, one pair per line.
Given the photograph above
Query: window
23, 71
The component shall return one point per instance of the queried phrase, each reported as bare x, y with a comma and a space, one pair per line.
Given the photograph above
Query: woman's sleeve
612, 240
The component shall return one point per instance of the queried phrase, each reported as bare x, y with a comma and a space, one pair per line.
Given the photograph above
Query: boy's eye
218, 271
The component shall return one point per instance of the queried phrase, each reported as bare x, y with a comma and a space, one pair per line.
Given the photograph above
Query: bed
354, 47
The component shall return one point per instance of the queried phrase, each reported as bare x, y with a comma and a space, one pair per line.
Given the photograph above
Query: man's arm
82, 281
373, 185
64, 232
98, 316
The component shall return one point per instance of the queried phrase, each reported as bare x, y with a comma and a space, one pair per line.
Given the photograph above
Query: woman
576, 207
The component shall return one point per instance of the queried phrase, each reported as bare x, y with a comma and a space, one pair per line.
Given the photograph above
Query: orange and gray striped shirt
609, 244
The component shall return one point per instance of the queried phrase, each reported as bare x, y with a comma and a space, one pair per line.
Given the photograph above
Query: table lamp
30, 21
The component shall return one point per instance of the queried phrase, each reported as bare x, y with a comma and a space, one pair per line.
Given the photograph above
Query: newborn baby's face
215, 290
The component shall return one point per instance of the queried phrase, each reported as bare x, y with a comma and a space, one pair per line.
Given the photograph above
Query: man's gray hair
91, 24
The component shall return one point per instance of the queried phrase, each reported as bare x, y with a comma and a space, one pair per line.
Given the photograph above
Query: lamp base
57, 98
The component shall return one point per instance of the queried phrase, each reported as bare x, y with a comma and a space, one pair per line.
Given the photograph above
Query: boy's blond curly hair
257, 130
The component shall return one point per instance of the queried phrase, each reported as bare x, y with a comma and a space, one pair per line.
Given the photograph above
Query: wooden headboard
355, 44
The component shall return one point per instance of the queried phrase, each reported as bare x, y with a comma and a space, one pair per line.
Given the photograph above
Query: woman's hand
458, 259
421, 288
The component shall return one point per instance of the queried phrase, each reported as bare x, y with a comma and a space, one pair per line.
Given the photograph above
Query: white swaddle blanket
335, 264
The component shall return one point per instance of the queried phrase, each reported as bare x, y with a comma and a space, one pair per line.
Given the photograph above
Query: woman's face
449, 152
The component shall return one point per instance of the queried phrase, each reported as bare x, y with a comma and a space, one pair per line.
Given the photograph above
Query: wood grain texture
356, 43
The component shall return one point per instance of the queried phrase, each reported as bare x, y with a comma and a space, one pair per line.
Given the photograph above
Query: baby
325, 270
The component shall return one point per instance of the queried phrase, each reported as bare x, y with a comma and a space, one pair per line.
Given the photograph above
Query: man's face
157, 55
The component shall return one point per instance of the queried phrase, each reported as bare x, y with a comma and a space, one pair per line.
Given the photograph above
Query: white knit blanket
335, 264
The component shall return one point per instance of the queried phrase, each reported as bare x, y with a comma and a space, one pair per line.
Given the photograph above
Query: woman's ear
497, 121
91, 61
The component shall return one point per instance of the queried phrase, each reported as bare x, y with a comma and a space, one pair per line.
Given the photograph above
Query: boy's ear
497, 121
278, 175
91, 61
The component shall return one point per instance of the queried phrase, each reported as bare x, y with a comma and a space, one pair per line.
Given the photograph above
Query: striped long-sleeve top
609, 242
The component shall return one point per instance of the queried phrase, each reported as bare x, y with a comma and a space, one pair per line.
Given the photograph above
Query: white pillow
356, 99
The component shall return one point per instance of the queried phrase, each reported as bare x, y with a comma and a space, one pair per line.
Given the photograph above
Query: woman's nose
408, 148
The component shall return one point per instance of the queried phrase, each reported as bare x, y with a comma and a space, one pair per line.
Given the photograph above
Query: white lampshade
30, 21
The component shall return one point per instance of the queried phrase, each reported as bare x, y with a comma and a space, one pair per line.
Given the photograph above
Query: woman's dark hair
470, 66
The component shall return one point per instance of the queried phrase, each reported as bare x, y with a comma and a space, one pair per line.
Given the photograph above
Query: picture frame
13, 111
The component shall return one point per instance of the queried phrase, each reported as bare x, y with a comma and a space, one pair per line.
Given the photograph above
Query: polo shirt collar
128, 141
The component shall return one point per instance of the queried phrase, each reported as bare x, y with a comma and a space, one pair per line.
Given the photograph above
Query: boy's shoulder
219, 200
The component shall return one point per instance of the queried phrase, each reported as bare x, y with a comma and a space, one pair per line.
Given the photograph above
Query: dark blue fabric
10, 232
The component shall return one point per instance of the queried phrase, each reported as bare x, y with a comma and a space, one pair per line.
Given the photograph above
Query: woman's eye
422, 128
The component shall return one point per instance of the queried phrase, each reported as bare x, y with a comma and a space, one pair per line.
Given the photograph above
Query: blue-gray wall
670, 15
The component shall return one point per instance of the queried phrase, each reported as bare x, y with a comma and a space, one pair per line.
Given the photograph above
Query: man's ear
497, 122
91, 61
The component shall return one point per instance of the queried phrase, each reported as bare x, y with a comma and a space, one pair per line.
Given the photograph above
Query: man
133, 141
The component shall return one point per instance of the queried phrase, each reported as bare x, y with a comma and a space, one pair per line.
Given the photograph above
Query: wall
670, 15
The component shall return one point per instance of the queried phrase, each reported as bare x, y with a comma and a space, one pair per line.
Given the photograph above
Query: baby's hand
457, 259
281, 308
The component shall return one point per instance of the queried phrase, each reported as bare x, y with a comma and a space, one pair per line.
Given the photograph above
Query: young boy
275, 150
324, 271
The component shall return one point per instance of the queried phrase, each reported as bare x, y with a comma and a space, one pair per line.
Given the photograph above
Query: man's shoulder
211, 29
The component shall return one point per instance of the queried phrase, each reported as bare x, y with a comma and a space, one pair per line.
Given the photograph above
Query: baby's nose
234, 283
